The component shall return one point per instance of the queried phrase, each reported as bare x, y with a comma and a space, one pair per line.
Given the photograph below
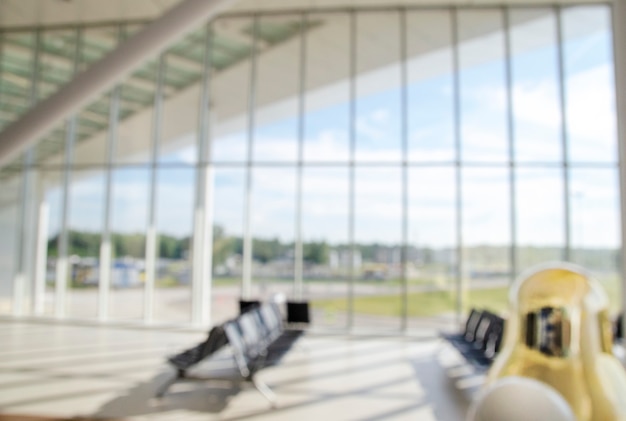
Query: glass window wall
174, 208
432, 255
86, 211
228, 233
325, 244
393, 168
378, 87
430, 72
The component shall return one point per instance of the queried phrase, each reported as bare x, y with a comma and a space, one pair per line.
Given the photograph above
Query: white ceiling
21, 13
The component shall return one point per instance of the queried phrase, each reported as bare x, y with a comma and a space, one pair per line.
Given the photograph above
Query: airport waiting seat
257, 339
481, 339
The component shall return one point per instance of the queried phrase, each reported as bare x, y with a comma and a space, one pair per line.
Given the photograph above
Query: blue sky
378, 215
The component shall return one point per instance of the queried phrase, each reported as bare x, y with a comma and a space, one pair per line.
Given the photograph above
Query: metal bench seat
480, 341
256, 339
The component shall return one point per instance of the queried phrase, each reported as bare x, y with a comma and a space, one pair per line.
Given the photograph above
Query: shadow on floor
448, 388
198, 396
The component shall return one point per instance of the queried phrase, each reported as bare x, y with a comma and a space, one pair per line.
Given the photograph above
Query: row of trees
87, 244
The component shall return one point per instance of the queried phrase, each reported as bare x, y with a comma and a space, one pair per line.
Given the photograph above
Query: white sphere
520, 399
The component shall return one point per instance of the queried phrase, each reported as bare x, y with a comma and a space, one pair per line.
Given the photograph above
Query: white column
60, 286
41, 257
27, 214
26, 231
63, 268
619, 50
197, 273
202, 259
151, 259
104, 281
104, 278
206, 253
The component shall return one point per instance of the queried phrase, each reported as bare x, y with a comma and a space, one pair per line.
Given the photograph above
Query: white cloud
381, 116
187, 155
378, 201
590, 112
537, 103
367, 127
230, 148
329, 145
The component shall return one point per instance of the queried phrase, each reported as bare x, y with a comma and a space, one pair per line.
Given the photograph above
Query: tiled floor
68, 370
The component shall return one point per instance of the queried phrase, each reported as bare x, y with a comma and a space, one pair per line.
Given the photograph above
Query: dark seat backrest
472, 324
482, 330
251, 332
494, 337
216, 340
238, 346
271, 321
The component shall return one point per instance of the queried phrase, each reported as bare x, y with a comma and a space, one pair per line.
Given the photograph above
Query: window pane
91, 145
93, 119
272, 227
486, 237
230, 88
540, 216
182, 87
430, 87
17, 73
536, 104
85, 222
327, 113
50, 150
378, 239
277, 87
136, 108
56, 60
129, 213
378, 116
589, 84
97, 42
227, 242
325, 194
483, 88
595, 226
174, 225
432, 253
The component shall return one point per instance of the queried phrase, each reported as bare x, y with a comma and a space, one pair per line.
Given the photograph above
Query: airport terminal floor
64, 371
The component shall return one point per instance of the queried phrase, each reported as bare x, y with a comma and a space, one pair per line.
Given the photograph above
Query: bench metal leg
265, 391
161, 391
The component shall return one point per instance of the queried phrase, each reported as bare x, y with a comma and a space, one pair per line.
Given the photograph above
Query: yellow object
558, 332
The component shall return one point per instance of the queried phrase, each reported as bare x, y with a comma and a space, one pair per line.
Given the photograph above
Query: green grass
167, 282
420, 303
